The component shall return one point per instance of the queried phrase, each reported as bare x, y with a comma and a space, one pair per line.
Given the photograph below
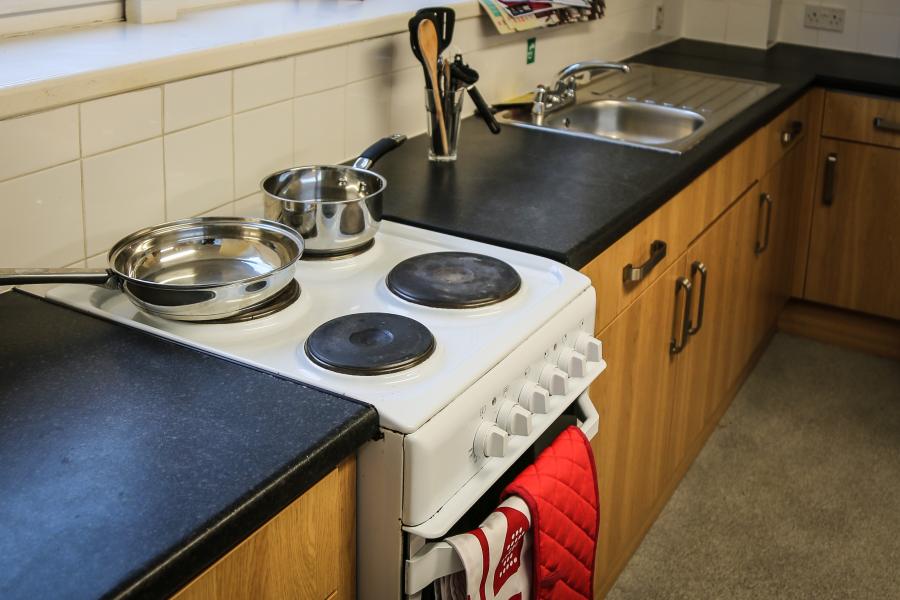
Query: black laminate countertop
129, 463
568, 198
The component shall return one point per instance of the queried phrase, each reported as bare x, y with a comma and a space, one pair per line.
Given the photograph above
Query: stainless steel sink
634, 122
651, 107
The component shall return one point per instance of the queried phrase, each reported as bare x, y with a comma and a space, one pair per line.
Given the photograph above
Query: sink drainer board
651, 107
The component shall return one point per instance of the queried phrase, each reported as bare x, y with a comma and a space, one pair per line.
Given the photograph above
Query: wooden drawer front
676, 223
786, 130
852, 117
667, 225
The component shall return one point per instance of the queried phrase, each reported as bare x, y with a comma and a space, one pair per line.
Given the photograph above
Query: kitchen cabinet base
610, 578
875, 335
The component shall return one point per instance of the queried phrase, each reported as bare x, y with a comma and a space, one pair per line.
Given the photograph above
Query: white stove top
469, 342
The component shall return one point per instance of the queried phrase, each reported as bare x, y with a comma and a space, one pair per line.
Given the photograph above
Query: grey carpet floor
795, 495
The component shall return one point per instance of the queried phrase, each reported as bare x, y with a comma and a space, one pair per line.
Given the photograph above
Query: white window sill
46, 70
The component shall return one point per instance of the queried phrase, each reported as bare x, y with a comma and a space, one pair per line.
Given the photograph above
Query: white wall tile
38, 141
879, 34
199, 169
368, 113
263, 143
377, 56
747, 24
407, 111
320, 70
97, 261
265, 83
885, 7
123, 192
790, 25
226, 210
705, 20
251, 206
120, 120
41, 224
197, 100
319, 128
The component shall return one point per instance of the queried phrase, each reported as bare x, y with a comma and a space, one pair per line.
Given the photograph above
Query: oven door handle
588, 415
432, 562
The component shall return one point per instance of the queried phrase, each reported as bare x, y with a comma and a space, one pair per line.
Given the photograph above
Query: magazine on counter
510, 16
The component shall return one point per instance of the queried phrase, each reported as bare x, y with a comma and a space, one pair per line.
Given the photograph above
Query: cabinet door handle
794, 129
698, 267
886, 125
632, 274
676, 345
765, 202
828, 188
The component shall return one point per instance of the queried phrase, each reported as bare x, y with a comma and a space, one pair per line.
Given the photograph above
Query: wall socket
659, 17
824, 17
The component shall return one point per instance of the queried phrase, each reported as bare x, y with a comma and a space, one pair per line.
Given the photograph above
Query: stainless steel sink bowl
669, 110
634, 122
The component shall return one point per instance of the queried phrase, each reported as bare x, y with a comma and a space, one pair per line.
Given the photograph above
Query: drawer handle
885, 125
699, 267
828, 188
632, 274
676, 345
794, 129
765, 201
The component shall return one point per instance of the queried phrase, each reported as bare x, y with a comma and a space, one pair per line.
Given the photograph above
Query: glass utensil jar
451, 106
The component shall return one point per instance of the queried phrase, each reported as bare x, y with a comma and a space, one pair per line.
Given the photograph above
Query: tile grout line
83, 196
162, 126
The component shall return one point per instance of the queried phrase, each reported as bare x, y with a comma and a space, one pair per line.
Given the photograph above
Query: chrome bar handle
676, 345
886, 125
765, 200
828, 187
632, 274
699, 267
793, 131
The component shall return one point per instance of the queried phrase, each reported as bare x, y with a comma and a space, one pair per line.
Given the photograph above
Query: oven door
428, 559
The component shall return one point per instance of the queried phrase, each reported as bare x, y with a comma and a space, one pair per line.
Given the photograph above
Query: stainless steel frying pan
197, 269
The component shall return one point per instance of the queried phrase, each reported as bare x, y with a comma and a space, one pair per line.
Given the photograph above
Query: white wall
75, 179
872, 26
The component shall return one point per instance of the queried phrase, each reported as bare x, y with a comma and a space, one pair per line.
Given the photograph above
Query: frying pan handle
378, 149
104, 277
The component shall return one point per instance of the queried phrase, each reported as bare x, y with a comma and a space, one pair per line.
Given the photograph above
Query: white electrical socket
824, 17
658, 17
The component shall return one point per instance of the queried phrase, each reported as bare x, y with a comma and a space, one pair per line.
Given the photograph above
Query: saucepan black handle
370, 155
484, 109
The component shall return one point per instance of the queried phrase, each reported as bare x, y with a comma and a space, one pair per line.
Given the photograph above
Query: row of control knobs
515, 413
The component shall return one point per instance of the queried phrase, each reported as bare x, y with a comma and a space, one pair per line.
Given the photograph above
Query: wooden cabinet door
633, 399
854, 253
781, 195
719, 265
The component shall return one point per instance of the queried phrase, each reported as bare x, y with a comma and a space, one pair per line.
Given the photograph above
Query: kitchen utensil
428, 46
336, 208
199, 269
444, 20
459, 71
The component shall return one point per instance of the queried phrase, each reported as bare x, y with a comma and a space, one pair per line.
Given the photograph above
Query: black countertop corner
568, 198
131, 463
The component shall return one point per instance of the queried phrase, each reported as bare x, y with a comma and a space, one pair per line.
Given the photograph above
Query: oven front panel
446, 469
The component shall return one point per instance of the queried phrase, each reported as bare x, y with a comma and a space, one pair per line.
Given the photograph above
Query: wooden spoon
428, 46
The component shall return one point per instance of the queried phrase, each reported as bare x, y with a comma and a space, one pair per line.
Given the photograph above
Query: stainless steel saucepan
197, 269
337, 209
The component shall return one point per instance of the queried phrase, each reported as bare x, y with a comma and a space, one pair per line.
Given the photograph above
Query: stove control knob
554, 380
572, 362
491, 441
534, 398
514, 418
589, 346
